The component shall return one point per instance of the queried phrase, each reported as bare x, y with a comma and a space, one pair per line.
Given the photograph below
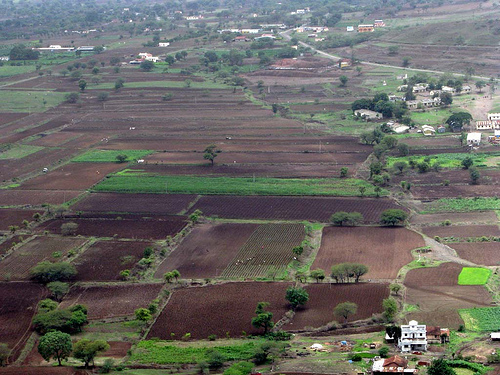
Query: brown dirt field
55, 139
17, 307
445, 274
14, 197
383, 250
454, 176
484, 253
323, 298
5, 118
8, 243
108, 301
124, 226
168, 204
72, 176
207, 250
118, 349
104, 260
33, 124
456, 217
15, 217
290, 208
43, 370
462, 231
463, 191
18, 264
217, 309
433, 142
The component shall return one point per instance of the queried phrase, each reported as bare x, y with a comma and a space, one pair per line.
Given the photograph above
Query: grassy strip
18, 151
450, 160
474, 276
481, 318
164, 84
162, 352
130, 182
109, 156
29, 101
463, 205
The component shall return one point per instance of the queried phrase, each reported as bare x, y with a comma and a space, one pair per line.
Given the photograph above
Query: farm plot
17, 265
457, 233
266, 252
323, 298
73, 176
218, 309
17, 307
5, 117
461, 191
383, 250
15, 217
8, 243
123, 226
41, 370
456, 218
474, 276
207, 250
485, 253
54, 139
104, 260
135, 203
481, 319
290, 208
15, 197
109, 301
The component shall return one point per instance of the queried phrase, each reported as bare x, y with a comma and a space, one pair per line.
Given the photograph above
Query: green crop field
463, 205
451, 160
474, 276
29, 101
481, 318
109, 156
9, 71
129, 181
17, 151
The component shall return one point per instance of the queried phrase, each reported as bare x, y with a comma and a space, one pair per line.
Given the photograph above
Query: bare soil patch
15, 217
54, 139
462, 231
456, 217
383, 250
456, 191
37, 370
485, 253
5, 118
8, 243
15, 197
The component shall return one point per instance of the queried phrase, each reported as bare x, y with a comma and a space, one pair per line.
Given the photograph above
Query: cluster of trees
458, 120
344, 272
21, 52
169, 276
380, 103
49, 318
342, 218
46, 272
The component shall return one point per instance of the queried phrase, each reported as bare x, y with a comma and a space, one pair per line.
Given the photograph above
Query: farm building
451, 90
412, 104
466, 89
495, 336
419, 88
368, 115
487, 125
345, 63
379, 23
473, 139
241, 39
441, 129
366, 28
392, 365
428, 130
413, 337
494, 116
350, 28
395, 98
438, 335
163, 44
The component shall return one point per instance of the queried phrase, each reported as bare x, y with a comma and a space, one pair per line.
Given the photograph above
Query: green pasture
474, 276
109, 156
450, 160
437, 116
9, 71
481, 318
463, 204
135, 181
17, 151
29, 101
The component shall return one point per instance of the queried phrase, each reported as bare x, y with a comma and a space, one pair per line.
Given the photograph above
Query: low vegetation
474, 276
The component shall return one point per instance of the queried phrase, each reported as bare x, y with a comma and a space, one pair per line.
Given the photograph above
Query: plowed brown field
15, 217
462, 231
484, 253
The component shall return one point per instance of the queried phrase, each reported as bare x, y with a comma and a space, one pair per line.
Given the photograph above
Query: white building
473, 139
163, 44
413, 337
494, 116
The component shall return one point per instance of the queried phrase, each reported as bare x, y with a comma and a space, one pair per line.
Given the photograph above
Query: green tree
264, 319
345, 309
121, 158
147, 66
176, 274
383, 352
393, 216
46, 271
395, 288
72, 97
296, 296
459, 120
86, 350
390, 308
343, 80
55, 345
406, 61
119, 83
342, 218
210, 153
440, 367
168, 276
343, 172
317, 274
467, 162
69, 320
479, 85
47, 305
103, 96
446, 98
142, 314
298, 250
215, 359
400, 166
474, 175
4, 353
58, 289
82, 84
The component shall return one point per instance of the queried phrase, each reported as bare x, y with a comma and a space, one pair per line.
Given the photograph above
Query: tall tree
86, 350
210, 153
345, 309
55, 345
296, 296
264, 319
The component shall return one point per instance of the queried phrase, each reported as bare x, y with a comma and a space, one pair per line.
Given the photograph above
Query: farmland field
109, 156
461, 232
15, 197
266, 252
8, 243
481, 319
485, 253
383, 250
15, 217
207, 250
463, 204
473, 276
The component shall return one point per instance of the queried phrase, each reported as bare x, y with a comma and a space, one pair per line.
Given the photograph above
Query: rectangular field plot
267, 252
109, 156
481, 319
458, 233
18, 264
108, 301
383, 250
15, 197
8, 243
474, 276
485, 253
17, 307
207, 250
218, 309
15, 217
168, 204
290, 208
104, 260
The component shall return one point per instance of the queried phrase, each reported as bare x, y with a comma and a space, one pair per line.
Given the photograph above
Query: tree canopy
86, 350
342, 218
55, 345
46, 271
210, 153
264, 319
296, 296
459, 120
345, 309
343, 272
393, 216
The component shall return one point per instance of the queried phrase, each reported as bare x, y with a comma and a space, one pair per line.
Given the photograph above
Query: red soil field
267, 252
104, 260
383, 250
8, 243
462, 231
109, 301
54, 139
124, 226
454, 176
463, 191
15, 217
436, 292
217, 309
169, 204
17, 307
207, 250
72, 176
484, 253
323, 298
456, 217
14, 197
17, 265
290, 208
45, 370
5, 118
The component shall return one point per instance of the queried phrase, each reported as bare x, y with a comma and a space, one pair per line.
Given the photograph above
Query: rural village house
437, 335
392, 365
413, 337
473, 139
368, 115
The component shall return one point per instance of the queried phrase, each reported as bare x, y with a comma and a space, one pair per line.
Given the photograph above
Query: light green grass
450, 160
474, 276
17, 151
433, 116
136, 182
9, 71
29, 101
481, 318
463, 205
164, 84
109, 156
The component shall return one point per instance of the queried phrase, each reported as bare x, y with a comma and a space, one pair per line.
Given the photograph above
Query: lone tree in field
4, 353
55, 345
343, 272
390, 308
142, 314
46, 272
210, 153
393, 217
318, 275
264, 319
343, 80
296, 296
440, 367
395, 288
86, 350
121, 158
342, 218
345, 309
298, 250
